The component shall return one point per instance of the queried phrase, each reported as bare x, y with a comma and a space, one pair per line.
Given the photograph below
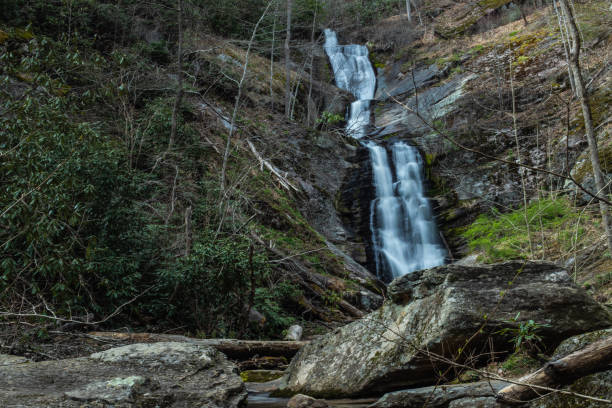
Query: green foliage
93, 210
273, 302
209, 289
504, 236
108, 21
65, 207
237, 18
370, 11
524, 335
330, 119
477, 49
603, 279
156, 51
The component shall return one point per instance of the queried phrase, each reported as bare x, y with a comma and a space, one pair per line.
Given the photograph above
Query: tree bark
272, 50
232, 126
581, 93
309, 104
288, 61
179, 71
408, 10
188, 212
594, 358
562, 29
234, 349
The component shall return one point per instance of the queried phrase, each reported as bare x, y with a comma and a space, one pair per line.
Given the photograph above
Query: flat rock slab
163, 374
442, 310
7, 360
471, 395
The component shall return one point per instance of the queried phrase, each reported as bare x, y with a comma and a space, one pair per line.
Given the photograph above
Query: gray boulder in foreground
439, 310
139, 375
473, 395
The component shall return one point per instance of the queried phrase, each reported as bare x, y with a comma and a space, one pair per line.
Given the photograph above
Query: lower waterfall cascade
404, 234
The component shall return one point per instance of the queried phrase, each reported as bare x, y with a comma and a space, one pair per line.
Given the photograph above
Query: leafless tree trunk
288, 61
523, 15
408, 10
312, 50
564, 40
518, 158
237, 103
188, 231
581, 93
272, 50
418, 12
179, 71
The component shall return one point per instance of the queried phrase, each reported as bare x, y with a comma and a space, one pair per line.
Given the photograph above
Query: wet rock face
353, 206
439, 310
158, 374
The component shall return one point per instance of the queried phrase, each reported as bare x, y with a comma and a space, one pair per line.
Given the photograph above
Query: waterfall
404, 233
354, 73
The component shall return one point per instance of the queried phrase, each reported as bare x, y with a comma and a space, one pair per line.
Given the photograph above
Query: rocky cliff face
496, 84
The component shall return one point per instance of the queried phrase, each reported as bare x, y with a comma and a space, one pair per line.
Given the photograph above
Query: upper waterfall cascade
404, 233
354, 73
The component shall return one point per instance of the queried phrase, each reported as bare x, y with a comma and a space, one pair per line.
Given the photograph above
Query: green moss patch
260, 376
586, 169
507, 236
519, 363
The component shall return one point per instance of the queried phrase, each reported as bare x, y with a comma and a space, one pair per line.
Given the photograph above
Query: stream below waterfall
404, 237
263, 400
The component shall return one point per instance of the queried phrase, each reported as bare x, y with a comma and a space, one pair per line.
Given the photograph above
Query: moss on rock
260, 376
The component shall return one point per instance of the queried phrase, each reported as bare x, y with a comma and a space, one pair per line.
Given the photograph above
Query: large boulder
139, 375
471, 395
443, 310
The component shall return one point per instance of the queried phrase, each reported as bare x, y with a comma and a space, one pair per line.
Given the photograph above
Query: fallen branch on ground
232, 348
594, 358
282, 179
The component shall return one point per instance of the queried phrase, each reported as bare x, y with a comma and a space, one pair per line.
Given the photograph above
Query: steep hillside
121, 205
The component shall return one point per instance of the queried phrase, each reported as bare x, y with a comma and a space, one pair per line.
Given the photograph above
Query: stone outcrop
442, 310
473, 395
160, 374
304, 401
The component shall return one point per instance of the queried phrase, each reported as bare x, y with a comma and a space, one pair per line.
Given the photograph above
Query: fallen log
232, 348
592, 359
282, 178
314, 283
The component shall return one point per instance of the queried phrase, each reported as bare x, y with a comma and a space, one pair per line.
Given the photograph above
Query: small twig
296, 255
60, 319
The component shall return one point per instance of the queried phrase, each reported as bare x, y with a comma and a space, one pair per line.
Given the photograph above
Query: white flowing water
353, 73
404, 232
